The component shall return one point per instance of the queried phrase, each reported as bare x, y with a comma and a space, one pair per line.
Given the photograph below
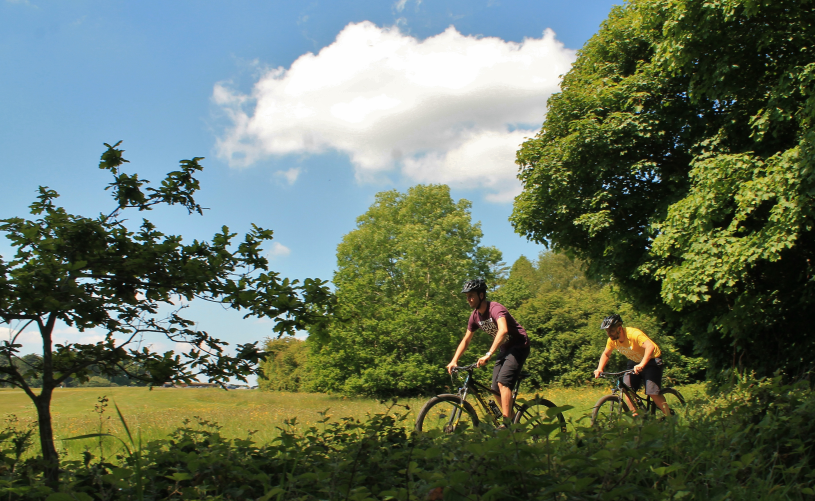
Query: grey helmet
611, 321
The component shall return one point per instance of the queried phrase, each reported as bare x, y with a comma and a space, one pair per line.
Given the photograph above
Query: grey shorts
651, 373
508, 366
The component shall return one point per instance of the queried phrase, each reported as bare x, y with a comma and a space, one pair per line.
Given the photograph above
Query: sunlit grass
155, 414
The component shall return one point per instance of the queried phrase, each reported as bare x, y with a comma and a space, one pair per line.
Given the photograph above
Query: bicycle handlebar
623, 373
465, 367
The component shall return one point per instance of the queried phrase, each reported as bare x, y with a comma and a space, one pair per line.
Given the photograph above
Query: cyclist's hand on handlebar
483, 361
638, 368
597, 373
451, 365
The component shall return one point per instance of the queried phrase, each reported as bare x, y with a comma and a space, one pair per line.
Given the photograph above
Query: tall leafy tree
97, 273
399, 307
678, 161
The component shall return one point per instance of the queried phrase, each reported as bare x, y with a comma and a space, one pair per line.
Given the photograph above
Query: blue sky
303, 110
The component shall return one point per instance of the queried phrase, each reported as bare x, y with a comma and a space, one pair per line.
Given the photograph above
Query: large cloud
450, 108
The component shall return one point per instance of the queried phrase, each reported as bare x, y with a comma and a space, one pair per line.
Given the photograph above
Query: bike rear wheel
609, 407
535, 412
675, 401
446, 414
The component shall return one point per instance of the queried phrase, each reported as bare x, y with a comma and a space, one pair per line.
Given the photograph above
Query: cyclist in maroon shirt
510, 341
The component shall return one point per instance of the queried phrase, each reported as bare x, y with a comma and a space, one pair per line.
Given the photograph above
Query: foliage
753, 442
96, 273
678, 161
284, 367
398, 287
23, 365
121, 377
563, 316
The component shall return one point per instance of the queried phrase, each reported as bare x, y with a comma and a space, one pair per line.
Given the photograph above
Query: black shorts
508, 366
651, 373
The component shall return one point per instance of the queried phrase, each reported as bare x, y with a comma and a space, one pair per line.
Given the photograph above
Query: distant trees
285, 365
27, 366
678, 161
98, 273
561, 310
399, 311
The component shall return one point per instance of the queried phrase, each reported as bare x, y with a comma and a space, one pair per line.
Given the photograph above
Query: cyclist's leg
652, 374
496, 371
504, 379
633, 381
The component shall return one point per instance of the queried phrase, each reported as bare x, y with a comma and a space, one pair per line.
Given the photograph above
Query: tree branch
21, 330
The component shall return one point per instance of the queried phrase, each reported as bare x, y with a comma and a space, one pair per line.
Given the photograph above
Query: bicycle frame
471, 384
627, 391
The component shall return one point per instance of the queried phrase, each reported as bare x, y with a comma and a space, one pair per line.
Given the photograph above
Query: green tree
285, 365
520, 286
96, 273
678, 162
563, 319
398, 287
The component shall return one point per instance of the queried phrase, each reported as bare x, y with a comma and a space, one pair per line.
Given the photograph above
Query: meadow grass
154, 414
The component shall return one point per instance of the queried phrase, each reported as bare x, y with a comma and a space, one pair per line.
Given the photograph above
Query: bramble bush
751, 442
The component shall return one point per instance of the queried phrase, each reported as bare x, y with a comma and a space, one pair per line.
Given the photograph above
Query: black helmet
611, 321
477, 285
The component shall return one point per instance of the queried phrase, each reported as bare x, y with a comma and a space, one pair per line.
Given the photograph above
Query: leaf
179, 476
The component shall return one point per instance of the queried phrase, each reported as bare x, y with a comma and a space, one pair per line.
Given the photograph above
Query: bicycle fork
455, 416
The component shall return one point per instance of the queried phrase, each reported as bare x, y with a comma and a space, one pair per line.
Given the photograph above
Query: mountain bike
612, 406
452, 412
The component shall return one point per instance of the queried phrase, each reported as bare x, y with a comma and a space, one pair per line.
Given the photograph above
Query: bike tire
535, 411
437, 414
673, 397
607, 408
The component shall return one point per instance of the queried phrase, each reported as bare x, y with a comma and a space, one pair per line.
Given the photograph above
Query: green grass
155, 414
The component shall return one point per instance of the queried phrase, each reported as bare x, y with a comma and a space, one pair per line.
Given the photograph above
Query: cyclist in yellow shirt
643, 356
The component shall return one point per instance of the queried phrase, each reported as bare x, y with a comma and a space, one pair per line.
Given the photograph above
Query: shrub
752, 442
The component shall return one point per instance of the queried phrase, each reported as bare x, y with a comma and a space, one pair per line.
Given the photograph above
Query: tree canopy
97, 273
562, 310
400, 311
678, 162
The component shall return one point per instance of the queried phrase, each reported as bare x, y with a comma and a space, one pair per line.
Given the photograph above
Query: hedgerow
754, 441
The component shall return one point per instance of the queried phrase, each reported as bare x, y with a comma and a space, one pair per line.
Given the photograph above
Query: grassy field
157, 413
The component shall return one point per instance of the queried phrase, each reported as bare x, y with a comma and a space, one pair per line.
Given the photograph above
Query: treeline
561, 310
30, 367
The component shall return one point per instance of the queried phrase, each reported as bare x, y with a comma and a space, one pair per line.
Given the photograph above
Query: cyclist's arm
462, 346
649, 350
603, 361
498, 341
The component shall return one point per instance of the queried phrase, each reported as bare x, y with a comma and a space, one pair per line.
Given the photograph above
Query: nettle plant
97, 273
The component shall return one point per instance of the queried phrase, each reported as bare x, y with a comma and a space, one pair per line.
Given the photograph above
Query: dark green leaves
677, 161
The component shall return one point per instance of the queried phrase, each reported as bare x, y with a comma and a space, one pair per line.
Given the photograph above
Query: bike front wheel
535, 413
609, 407
446, 413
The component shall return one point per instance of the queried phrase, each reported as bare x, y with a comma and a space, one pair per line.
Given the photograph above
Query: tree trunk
43, 403
49, 451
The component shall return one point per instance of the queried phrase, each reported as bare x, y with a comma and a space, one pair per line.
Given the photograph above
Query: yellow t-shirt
633, 347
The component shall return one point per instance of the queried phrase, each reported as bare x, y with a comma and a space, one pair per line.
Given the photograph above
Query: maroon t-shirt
488, 322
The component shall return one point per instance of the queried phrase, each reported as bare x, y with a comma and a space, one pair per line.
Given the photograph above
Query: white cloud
400, 5
290, 175
278, 250
450, 108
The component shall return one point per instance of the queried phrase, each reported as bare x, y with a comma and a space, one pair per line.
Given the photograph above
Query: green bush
753, 442
284, 367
